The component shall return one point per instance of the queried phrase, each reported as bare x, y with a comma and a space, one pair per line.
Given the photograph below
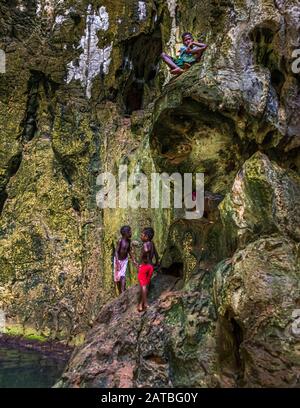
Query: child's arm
156, 255
147, 247
198, 49
133, 258
181, 50
117, 255
202, 46
150, 272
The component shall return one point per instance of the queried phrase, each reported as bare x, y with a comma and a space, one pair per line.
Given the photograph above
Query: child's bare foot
177, 71
186, 66
140, 308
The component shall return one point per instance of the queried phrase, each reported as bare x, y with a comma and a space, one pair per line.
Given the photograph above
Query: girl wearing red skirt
144, 276
146, 268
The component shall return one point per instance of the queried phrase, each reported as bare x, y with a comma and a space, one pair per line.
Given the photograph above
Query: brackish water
28, 369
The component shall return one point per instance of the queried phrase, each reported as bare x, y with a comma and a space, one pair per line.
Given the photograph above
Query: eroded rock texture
212, 322
84, 93
77, 79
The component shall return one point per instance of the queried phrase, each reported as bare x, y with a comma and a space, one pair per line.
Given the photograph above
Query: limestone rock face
84, 93
232, 327
243, 97
264, 199
256, 296
210, 323
73, 72
171, 345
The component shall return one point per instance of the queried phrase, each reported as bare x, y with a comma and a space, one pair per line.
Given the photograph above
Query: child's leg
186, 66
140, 306
123, 284
144, 297
168, 60
177, 71
118, 285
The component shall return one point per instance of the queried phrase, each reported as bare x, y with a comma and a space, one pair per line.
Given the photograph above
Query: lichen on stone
93, 60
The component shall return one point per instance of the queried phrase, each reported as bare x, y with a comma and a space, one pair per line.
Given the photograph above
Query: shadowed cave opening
49, 87
141, 55
266, 55
76, 204
12, 168
237, 337
3, 198
29, 123
176, 270
230, 341
277, 80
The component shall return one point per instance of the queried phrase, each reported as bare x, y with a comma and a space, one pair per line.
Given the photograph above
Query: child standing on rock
146, 268
122, 254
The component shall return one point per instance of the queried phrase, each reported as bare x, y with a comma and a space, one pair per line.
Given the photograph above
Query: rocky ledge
214, 320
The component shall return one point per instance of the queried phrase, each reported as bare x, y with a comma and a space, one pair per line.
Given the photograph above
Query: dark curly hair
187, 33
149, 232
125, 229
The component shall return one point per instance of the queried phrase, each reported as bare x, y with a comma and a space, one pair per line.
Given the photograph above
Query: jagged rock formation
211, 323
66, 98
92, 96
163, 347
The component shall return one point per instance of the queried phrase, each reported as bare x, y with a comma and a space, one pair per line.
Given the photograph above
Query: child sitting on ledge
190, 53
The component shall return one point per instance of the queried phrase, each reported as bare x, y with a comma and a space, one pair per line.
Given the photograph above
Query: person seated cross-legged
189, 54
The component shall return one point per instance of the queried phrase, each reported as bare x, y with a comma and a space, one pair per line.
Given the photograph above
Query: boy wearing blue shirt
189, 54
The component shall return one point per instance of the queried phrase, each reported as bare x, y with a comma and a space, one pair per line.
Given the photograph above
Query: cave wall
84, 92
223, 312
79, 77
